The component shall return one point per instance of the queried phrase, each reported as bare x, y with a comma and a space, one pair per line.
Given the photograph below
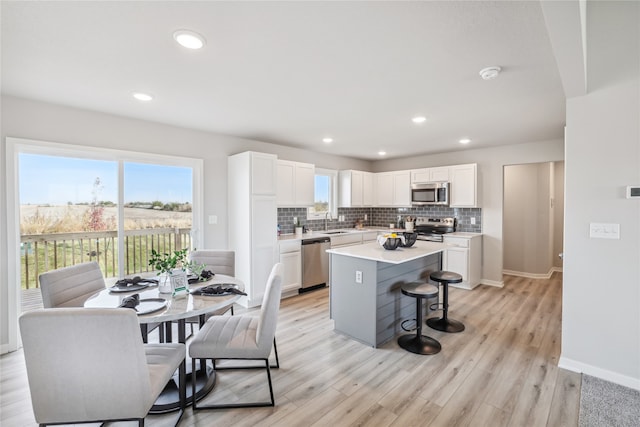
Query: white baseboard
496, 283
532, 275
604, 374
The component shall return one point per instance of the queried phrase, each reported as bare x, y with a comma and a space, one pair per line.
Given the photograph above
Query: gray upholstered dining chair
90, 365
218, 262
71, 286
242, 337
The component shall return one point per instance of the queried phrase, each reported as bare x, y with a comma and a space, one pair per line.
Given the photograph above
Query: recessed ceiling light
464, 141
382, 153
419, 119
490, 72
327, 140
189, 39
140, 96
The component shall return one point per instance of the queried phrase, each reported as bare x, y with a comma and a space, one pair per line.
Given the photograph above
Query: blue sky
59, 180
322, 188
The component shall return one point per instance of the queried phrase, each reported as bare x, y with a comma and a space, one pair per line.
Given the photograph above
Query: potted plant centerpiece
173, 267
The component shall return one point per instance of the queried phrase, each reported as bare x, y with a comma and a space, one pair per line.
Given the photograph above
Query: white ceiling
292, 73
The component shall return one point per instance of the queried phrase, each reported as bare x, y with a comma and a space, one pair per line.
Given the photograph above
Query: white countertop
466, 235
314, 234
374, 252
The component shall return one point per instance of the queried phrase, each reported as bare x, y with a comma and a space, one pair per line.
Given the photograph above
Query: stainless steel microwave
433, 193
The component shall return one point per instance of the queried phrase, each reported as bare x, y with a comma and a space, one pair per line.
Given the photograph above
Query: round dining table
167, 310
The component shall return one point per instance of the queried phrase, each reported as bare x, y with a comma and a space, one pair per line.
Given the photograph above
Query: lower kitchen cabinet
463, 255
291, 259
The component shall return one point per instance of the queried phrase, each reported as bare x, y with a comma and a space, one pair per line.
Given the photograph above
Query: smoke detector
490, 73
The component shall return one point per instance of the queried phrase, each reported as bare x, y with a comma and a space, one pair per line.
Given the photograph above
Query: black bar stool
418, 343
445, 324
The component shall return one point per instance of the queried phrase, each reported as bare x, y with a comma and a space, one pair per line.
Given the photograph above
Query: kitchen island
365, 298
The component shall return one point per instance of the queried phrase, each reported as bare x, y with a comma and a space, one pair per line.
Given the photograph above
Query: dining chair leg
273, 400
193, 384
275, 349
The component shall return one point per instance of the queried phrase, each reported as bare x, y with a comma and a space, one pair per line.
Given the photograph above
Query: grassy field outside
58, 236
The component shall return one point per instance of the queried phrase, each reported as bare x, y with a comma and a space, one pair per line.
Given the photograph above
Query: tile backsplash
381, 217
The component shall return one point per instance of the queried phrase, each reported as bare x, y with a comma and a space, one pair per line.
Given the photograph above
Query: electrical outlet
473, 220
365, 217
358, 276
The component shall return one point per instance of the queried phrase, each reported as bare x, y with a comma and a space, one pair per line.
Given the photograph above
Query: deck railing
44, 252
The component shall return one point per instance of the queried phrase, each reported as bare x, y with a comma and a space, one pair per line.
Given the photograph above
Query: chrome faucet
327, 216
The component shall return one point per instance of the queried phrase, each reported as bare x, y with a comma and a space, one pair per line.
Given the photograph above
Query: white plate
151, 305
131, 288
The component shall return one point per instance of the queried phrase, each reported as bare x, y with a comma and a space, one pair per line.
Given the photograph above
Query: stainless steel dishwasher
315, 263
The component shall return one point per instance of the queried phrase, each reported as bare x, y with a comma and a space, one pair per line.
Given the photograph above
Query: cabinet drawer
456, 241
289, 246
346, 239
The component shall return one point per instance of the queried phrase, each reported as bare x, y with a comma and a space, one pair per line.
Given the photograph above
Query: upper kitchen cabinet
463, 191
355, 189
393, 188
295, 185
439, 174
260, 170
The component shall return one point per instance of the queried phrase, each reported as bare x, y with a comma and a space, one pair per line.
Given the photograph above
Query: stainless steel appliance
432, 229
434, 193
315, 263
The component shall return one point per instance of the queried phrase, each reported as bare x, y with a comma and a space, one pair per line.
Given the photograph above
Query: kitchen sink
334, 232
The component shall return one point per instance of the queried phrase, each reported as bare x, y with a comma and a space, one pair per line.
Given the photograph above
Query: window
79, 204
326, 194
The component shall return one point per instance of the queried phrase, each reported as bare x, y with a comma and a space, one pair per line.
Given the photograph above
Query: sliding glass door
76, 204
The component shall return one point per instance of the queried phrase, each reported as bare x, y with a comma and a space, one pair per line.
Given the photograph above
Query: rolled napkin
220, 289
127, 282
205, 275
131, 301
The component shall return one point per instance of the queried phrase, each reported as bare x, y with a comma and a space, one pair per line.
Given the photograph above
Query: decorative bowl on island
390, 241
409, 239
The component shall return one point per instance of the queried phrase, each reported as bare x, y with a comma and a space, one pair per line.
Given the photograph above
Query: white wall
533, 218
528, 219
558, 212
601, 296
491, 162
27, 119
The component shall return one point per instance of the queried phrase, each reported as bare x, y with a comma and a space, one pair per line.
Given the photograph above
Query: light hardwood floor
501, 371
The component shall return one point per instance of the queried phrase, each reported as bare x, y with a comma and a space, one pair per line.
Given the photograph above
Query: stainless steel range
432, 229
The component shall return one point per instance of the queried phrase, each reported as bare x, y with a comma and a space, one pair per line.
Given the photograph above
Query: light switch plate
599, 230
213, 219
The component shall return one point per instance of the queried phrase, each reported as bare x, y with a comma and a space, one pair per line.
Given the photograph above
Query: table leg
179, 390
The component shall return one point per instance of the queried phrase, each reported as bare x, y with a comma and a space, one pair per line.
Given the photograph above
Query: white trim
14, 146
532, 275
594, 371
333, 178
13, 241
496, 283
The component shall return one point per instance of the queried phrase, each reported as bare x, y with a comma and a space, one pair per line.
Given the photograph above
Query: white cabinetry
347, 239
463, 255
393, 188
295, 185
253, 218
291, 259
355, 189
463, 188
439, 174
